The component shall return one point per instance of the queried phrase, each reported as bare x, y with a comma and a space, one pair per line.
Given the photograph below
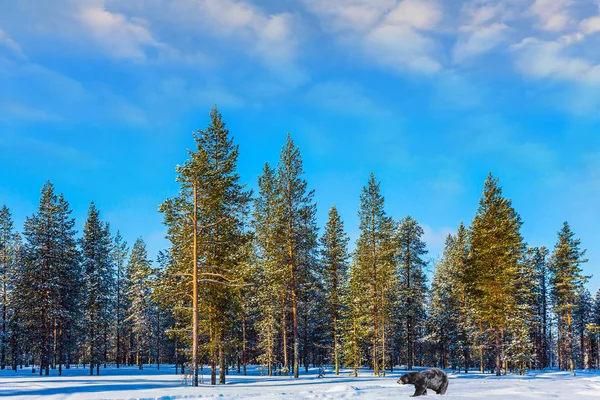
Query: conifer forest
250, 279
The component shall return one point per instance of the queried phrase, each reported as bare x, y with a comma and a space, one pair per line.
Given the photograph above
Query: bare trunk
498, 357
221, 364
244, 342
195, 291
284, 332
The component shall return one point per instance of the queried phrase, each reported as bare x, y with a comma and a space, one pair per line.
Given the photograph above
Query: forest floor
163, 384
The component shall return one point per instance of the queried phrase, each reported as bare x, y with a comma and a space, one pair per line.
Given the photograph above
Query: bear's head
404, 380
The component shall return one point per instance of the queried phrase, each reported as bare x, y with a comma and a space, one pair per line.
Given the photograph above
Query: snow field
130, 383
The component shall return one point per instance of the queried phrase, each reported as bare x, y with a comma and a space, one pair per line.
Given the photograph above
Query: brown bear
433, 378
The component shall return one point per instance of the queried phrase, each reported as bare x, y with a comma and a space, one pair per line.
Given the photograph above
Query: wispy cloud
118, 35
395, 35
554, 59
553, 15
476, 41
10, 44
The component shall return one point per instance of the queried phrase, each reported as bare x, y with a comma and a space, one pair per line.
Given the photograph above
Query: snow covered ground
130, 383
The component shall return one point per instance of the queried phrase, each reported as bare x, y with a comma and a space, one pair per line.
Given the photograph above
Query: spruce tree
299, 232
567, 282
582, 317
16, 336
373, 259
270, 276
119, 254
98, 275
494, 266
522, 326
594, 329
139, 274
6, 260
449, 313
70, 286
356, 319
49, 279
412, 286
541, 318
205, 227
334, 261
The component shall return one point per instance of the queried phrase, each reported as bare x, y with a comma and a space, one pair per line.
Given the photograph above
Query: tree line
248, 280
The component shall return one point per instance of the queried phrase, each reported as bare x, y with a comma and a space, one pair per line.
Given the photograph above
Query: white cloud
234, 27
357, 16
480, 40
590, 26
553, 15
401, 48
393, 34
120, 37
419, 14
552, 59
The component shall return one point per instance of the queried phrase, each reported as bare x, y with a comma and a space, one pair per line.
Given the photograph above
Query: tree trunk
498, 357
221, 363
244, 343
336, 358
284, 332
195, 290
375, 297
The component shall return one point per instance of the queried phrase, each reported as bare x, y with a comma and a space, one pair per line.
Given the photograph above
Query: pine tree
539, 258
522, 327
96, 247
412, 282
119, 256
6, 260
567, 282
49, 279
270, 275
299, 232
582, 317
139, 274
356, 319
449, 313
206, 231
373, 262
594, 329
69, 286
334, 260
494, 267
16, 335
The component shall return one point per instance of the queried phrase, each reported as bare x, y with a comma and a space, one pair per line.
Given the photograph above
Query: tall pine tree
334, 260
411, 282
98, 275
373, 265
6, 260
205, 227
119, 257
139, 274
494, 268
299, 232
567, 282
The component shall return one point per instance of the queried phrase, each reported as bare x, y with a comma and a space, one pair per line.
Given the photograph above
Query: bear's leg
444, 387
420, 391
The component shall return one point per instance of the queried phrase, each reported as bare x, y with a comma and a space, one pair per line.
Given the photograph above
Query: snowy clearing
130, 383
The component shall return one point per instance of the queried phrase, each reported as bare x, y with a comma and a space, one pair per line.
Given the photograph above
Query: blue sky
101, 97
